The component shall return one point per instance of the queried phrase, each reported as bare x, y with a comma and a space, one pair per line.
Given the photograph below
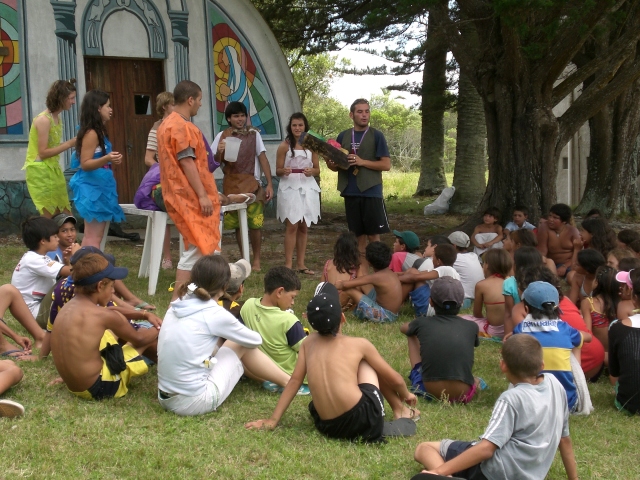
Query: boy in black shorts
342, 408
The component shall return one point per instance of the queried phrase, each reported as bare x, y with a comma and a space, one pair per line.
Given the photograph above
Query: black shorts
472, 473
366, 215
363, 422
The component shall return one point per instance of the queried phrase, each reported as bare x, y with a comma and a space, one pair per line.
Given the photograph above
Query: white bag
441, 205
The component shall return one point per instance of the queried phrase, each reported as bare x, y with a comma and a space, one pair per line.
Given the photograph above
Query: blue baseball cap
539, 293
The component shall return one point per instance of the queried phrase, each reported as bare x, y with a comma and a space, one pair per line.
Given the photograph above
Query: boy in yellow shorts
84, 343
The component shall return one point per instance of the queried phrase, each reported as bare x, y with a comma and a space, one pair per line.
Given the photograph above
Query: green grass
62, 436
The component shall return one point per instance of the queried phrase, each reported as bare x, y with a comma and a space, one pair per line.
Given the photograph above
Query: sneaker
272, 387
10, 409
166, 264
303, 390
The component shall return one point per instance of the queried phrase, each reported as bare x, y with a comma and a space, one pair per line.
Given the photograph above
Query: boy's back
526, 426
388, 289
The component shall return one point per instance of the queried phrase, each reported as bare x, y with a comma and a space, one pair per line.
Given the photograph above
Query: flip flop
306, 271
433, 476
145, 306
249, 198
10, 409
402, 427
16, 357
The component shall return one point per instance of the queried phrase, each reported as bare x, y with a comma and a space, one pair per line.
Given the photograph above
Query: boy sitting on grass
10, 375
404, 249
281, 331
378, 296
84, 343
347, 377
442, 363
529, 423
419, 282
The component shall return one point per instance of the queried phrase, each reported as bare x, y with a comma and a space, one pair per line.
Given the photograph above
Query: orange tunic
175, 134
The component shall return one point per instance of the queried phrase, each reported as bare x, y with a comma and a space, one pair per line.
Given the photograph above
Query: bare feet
18, 355
55, 382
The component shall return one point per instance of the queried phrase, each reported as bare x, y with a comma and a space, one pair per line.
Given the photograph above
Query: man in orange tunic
188, 188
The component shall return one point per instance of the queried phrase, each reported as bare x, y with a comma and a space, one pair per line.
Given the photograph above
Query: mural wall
12, 114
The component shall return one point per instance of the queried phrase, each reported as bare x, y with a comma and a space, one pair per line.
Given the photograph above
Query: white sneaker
10, 409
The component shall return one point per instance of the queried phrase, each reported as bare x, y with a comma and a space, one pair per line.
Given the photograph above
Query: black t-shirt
624, 363
446, 347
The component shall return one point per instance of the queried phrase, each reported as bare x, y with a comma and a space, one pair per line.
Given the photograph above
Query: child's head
61, 95
538, 273
282, 285
541, 300
164, 104
561, 212
93, 273
406, 241
635, 246
498, 262
618, 254
447, 296
433, 242
444, 255
324, 312
626, 236
589, 260
628, 263
597, 233
40, 231
526, 257
460, 240
239, 272
594, 212
378, 254
236, 114
523, 238
346, 256
66, 229
209, 277
491, 216
522, 356
607, 288
520, 215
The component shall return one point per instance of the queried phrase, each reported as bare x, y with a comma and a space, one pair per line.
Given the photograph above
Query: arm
24, 342
89, 145
574, 293
508, 321
266, 169
43, 127
133, 314
585, 309
315, 170
474, 242
121, 327
413, 277
152, 147
568, 458
498, 238
382, 165
478, 302
149, 158
480, 452
404, 328
289, 393
280, 159
356, 282
543, 238
190, 170
385, 373
45, 350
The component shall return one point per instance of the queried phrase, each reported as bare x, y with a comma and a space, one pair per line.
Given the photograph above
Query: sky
349, 87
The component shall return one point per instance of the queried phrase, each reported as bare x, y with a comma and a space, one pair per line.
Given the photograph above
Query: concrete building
133, 49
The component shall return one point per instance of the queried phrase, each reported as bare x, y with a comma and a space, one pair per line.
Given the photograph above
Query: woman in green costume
45, 181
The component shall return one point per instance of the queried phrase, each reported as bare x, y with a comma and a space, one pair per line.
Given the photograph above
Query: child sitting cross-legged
441, 361
347, 377
489, 233
345, 264
529, 423
404, 251
281, 331
378, 296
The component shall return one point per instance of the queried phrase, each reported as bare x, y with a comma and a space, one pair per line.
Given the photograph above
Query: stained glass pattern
11, 112
238, 78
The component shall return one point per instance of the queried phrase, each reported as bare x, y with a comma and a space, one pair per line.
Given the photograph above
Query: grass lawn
62, 436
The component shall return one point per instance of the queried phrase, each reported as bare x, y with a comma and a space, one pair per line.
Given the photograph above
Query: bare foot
407, 412
55, 382
255, 268
38, 344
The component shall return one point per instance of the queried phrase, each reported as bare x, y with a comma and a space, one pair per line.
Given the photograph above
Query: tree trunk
612, 167
471, 165
434, 84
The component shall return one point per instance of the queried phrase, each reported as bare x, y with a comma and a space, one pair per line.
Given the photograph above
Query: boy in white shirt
36, 273
467, 265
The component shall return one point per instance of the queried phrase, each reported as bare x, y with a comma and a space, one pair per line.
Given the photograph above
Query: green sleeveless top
55, 138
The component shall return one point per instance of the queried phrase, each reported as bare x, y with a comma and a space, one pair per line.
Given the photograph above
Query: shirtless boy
556, 237
346, 376
378, 296
84, 343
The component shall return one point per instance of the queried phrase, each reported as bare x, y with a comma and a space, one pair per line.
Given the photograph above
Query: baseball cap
625, 277
409, 238
323, 310
63, 218
447, 289
459, 239
240, 271
89, 249
539, 293
110, 272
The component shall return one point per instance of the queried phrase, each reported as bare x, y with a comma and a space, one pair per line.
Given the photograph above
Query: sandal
145, 306
306, 271
402, 427
10, 409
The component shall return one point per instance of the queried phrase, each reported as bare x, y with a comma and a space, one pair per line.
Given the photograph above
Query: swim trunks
368, 309
363, 422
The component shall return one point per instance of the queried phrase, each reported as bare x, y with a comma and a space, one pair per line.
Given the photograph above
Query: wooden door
133, 85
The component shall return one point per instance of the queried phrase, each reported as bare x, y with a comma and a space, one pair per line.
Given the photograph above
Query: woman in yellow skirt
45, 180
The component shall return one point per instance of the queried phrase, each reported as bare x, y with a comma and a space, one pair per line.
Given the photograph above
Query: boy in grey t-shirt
529, 423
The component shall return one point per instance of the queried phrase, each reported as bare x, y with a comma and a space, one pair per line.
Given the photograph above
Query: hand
506, 337
69, 251
24, 342
206, 207
221, 146
308, 172
355, 160
286, 172
411, 399
578, 244
71, 142
260, 424
269, 192
56, 381
153, 319
115, 158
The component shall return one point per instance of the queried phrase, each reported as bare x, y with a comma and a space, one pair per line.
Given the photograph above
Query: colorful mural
11, 111
237, 77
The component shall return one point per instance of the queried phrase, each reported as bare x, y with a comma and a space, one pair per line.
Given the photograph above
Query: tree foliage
313, 74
